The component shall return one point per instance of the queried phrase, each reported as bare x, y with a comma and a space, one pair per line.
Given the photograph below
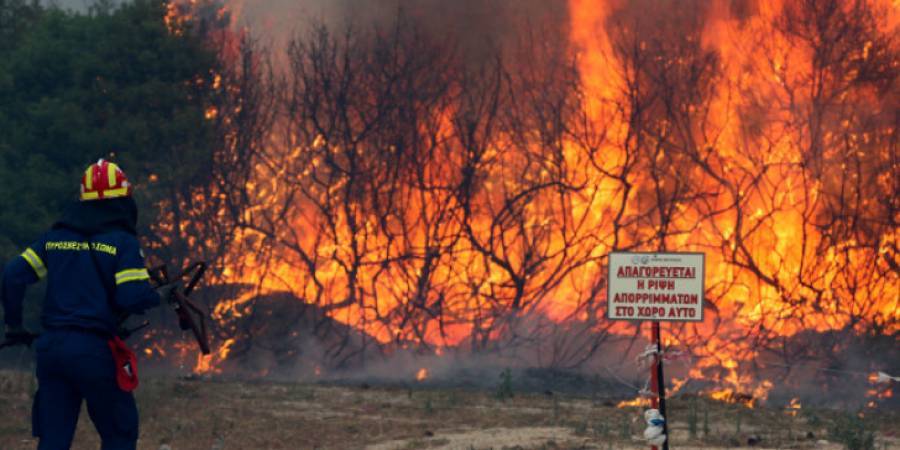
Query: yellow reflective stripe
111, 174
89, 178
113, 193
129, 272
131, 278
127, 275
109, 193
35, 262
128, 280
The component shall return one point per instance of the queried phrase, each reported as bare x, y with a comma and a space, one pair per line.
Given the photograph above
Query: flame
881, 388
422, 374
211, 364
638, 402
677, 384
750, 399
155, 350
174, 18
758, 199
755, 60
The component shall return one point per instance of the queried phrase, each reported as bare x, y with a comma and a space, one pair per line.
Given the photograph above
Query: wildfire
881, 388
685, 136
794, 407
209, 364
775, 248
730, 396
677, 384
155, 350
181, 14
638, 402
759, 394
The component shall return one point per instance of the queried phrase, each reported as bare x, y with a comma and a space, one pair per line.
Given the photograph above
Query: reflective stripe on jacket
76, 296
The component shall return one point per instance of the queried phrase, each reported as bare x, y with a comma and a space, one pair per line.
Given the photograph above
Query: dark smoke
475, 25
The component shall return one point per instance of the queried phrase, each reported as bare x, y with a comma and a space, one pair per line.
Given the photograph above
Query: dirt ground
180, 414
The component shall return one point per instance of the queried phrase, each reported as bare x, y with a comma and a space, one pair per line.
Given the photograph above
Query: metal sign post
656, 287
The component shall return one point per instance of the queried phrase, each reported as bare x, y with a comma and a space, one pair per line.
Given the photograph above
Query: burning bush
403, 188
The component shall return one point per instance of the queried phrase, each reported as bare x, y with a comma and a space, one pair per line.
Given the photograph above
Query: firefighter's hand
166, 292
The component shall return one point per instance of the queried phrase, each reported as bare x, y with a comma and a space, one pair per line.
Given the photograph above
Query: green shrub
853, 432
505, 388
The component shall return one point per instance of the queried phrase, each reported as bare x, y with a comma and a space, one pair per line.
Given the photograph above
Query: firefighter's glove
166, 292
18, 335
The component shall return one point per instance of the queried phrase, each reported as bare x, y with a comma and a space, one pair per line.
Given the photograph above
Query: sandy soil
179, 414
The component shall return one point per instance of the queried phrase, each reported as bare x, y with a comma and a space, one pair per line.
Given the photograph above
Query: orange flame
794, 407
209, 364
637, 402
756, 209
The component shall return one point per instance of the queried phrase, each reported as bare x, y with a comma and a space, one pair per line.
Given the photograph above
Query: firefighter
95, 275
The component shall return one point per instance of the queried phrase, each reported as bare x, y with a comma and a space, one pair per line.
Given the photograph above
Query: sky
80, 5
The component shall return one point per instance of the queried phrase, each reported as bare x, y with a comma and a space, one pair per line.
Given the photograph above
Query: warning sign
655, 286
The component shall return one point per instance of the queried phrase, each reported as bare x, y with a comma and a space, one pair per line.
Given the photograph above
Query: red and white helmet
104, 180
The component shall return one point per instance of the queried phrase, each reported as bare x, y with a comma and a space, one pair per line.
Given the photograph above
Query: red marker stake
658, 386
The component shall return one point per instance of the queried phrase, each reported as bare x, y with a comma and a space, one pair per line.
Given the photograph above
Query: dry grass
210, 414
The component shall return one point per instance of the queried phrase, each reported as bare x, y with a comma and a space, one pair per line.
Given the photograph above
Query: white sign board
656, 286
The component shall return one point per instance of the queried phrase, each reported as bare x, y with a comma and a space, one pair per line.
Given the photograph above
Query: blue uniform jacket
76, 296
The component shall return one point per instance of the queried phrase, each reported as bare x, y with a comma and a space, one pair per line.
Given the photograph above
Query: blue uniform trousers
76, 365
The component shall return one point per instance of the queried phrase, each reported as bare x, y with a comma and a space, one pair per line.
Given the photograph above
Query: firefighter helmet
104, 180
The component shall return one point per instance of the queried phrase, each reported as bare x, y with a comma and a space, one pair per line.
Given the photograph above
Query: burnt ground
219, 414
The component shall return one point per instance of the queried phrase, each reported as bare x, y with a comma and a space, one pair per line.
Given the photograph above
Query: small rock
165, 447
753, 440
429, 433
810, 435
822, 443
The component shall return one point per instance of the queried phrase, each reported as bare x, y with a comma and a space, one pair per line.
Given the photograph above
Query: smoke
673, 31
283, 338
289, 340
474, 25
71, 5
